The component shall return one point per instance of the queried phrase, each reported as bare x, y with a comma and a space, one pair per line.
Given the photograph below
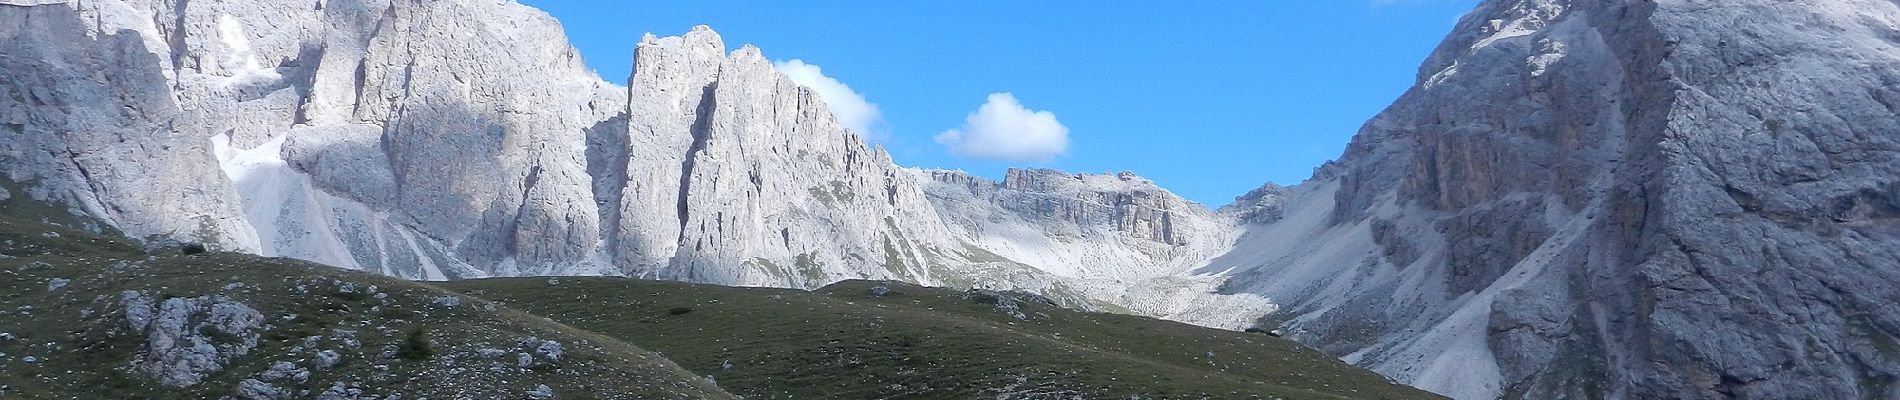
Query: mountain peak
1576, 200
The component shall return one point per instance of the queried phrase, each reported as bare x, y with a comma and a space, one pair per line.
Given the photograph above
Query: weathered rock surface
406, 154
465, 138
252, 389
738, 176
285, 371
88, 117
1600, 199
188, 339
1101, 232
1578, 198
1263, 205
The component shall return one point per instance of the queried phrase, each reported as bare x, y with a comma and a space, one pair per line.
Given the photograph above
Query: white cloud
1004, 130
847, 105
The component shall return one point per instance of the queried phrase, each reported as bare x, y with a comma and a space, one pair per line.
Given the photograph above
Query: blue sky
1208, 99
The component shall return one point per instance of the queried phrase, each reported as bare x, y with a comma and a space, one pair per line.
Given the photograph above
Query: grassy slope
839, 342
842, 342
84, 348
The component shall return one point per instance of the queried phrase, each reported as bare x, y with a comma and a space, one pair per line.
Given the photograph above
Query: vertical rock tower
1614, 199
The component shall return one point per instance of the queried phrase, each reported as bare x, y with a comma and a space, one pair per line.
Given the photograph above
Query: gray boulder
189, 339
252, 389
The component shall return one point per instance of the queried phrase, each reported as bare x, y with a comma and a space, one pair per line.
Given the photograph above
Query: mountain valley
1578, 199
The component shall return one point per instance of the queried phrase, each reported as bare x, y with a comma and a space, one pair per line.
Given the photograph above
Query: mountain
1098, 234
344, 133
1578, 198
465, 139
1611, 199
98, 317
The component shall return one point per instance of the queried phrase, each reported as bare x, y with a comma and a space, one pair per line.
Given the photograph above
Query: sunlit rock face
1143, 222
353, 133
737, 175
1582, 199
459, 139
1103, 233
1578, 199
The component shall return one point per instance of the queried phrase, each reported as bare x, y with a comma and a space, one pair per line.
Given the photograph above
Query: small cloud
1005, 130
847, 105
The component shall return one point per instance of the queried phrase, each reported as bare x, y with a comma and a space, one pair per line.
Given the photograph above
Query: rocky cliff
1611, 199
1578, 199
736, 175
1102, 232
419, 139
459, 139
344, 132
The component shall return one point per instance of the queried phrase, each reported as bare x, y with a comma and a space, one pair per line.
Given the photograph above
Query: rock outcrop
1263, 205
188, 339
347, 133
1109, 229
736, 175
1600, 199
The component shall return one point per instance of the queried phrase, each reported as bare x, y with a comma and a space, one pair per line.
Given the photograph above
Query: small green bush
415, 347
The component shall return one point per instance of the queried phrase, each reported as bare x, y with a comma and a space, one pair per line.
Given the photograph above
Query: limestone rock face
87, 117
1578, 198
1112, 240
465, 138
1263, 205
1146, 212
347, 132
1109, 228
1600, 199
737, 175
485, 134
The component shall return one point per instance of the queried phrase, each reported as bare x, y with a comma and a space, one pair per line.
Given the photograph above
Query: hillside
86, 316
864, 340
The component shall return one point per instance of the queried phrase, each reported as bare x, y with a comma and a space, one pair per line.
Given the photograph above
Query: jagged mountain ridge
1111, 230
1611, 199
462, 139
1578, 199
